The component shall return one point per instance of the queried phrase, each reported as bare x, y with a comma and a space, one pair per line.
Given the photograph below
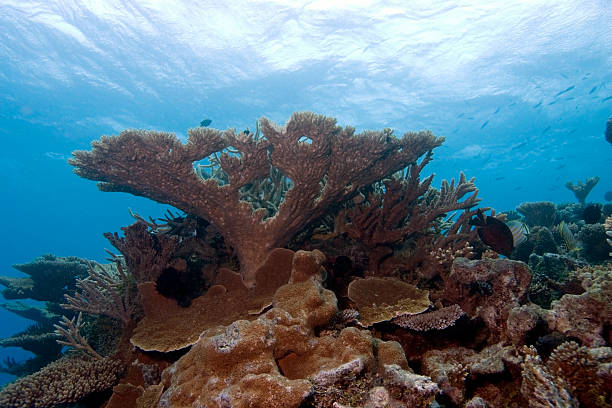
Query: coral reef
325, 164
582, 188
277, 361
317, 268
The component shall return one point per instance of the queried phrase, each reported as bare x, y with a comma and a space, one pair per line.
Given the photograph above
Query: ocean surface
521, 90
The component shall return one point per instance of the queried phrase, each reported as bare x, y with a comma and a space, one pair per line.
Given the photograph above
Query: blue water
521, 91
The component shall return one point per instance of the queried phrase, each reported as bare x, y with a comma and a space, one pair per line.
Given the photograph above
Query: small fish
499, 178
564, 76
460, 115
519, 230
546, 129
593, 89
592, 213
494, 233
569, 88
566, 235
553, 102
561, 166
484, 124
518, 145
205, 122
606, 99
537, 105
496, 110
573, 131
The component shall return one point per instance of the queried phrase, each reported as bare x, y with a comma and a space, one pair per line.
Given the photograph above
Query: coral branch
326, 164
104, 292
71, 331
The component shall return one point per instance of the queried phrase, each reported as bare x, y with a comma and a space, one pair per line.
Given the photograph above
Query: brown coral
325, 163
582, 188
434, 320
586, 370
66, 380
168, 326
400, 210
587, 315
451, 367
278, 361
487, 288
381, 299
542, 388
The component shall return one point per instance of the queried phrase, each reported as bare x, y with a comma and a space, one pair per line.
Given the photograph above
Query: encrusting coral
382, 299
587, 316
487, 288
277, 361
325, 164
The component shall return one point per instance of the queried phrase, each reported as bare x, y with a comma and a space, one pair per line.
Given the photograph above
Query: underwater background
520, 90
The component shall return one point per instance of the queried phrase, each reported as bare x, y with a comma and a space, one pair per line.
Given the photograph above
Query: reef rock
487, 288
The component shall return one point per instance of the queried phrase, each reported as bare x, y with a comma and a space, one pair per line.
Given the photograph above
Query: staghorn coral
382, 299
145, 254
101, 293
70, 330
582, 188
573, 376
66, 380
325, 164
403, 208
542, 213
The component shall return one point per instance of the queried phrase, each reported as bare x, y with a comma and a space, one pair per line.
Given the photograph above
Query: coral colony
311, 266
